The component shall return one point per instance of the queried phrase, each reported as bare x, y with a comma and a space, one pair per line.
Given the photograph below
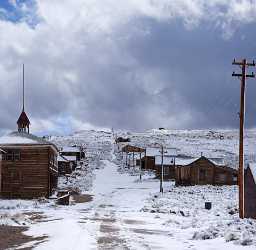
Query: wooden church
29, 166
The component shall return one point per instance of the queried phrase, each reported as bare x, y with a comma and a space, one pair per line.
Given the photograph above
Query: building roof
62, 158
21, 138
70, 149
153, 151
23, 119
188, 161
2, 151
184, 161
217, 161
167, 160
131, 148
252, 167
70, 157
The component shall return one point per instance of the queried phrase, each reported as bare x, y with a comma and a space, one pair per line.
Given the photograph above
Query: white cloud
70, 51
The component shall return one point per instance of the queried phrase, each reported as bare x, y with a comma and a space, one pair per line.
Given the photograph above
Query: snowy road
114, 220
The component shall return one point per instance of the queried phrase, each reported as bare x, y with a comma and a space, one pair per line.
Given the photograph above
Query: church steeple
23, 121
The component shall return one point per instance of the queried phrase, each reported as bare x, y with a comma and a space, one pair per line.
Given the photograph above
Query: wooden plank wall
249, 195
29, 176
213, 175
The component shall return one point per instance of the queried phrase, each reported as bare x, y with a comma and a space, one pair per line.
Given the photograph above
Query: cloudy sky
126, 64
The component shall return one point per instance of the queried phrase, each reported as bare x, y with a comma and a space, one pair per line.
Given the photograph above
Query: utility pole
162, 169
243, 75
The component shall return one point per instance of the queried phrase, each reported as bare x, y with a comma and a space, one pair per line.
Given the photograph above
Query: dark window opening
202, 174
12, 155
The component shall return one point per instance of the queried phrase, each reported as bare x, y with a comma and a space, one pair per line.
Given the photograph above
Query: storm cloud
125, 64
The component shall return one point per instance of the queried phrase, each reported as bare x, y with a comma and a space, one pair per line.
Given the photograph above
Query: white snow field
127, 213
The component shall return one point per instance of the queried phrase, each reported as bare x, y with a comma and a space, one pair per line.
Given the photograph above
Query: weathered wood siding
203, 172
33, 175
169, 172
249, 195
0, 172
148, 163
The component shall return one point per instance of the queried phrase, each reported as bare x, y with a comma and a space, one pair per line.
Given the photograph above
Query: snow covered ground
126, 213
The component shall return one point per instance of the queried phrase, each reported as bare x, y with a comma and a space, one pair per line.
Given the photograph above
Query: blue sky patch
19, 11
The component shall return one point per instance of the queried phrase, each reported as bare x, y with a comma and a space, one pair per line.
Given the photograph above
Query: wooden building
250, 191
148, 161
168, 167
204, 171
72, 151
64, 165
1, 157
72, 160
133, 152
29, 166
121, 139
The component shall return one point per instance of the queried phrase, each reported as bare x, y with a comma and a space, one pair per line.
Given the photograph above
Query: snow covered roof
184, 161
70, 158
70, 149
157, 151
61, 158
21, 138
252, 167
167, 160
217, 161
2, 151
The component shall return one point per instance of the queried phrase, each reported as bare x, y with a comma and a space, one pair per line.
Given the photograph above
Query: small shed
250, 191
168, 167
132, 151
29, 166
203, 171
71, 151
64, 165
72, 160
122, 139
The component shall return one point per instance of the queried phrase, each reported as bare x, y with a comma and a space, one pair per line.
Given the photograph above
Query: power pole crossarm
252, 75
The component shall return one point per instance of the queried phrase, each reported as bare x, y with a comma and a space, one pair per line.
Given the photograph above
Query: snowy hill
211, 143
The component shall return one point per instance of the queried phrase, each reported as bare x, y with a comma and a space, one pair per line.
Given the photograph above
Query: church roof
23, 119
22, 138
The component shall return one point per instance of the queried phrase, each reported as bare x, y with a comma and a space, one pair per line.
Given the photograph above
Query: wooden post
140, 165
126, 160
133, 159
243, 77
128, 164
162, 169
146, 161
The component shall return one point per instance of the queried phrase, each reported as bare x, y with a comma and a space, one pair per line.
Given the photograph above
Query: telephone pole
242, 76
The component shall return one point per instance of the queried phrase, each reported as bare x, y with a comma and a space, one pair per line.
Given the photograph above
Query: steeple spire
23, 121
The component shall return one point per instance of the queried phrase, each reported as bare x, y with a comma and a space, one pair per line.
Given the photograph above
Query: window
222, 178
234, 177
16, 155
12, 155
